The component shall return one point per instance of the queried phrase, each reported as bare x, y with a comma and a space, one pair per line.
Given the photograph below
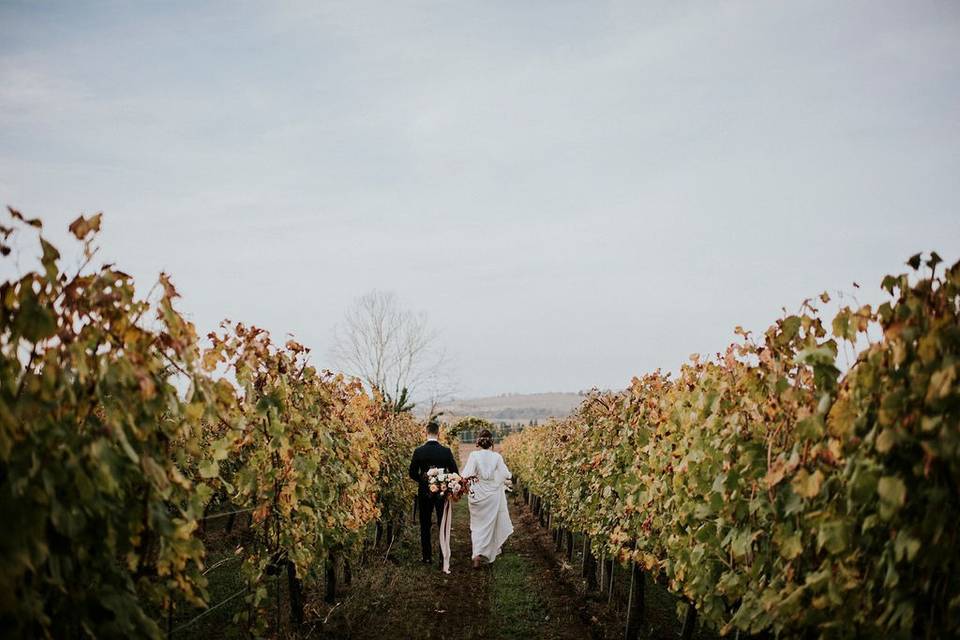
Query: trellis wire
219, 563
210, 610
227, 513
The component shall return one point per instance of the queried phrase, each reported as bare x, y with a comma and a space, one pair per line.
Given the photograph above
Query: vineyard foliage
770, 489
296, 447
120, 430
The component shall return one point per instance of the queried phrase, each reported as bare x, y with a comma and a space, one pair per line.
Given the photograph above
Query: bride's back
486, 463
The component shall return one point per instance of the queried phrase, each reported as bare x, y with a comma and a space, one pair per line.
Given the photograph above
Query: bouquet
448, 485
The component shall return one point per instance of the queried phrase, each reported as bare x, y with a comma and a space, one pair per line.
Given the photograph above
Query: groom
425, 457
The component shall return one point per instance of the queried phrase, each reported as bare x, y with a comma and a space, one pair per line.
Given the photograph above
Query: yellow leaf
806, 484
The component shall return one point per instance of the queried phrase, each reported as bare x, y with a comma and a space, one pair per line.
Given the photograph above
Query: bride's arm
469, 469
502, 471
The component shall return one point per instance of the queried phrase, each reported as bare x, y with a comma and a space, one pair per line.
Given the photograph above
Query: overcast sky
574, 192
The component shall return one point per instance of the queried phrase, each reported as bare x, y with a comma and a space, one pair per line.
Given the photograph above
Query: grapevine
774, 492
121, 430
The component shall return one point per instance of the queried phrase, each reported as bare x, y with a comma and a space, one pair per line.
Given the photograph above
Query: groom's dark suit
425, 457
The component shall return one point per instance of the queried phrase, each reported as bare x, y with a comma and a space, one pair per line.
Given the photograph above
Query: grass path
515, 597
529, 592
403, 598
528, 599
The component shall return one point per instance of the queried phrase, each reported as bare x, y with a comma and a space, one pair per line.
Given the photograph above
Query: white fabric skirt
490, 523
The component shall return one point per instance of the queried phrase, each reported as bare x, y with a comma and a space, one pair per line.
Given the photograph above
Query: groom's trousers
428, 505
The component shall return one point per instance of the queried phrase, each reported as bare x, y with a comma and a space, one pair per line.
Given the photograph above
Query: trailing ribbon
446, 522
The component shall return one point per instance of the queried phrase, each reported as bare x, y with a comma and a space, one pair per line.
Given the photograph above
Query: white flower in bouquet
455, 487
433, 472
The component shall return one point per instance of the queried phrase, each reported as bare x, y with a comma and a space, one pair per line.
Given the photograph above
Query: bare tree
393, 350
439, 389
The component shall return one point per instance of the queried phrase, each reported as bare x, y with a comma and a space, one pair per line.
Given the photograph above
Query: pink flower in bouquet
450, 485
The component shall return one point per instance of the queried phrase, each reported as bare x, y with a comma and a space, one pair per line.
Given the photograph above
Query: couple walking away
486, 474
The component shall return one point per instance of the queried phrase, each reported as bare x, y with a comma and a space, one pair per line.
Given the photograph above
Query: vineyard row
769, 489
123, 434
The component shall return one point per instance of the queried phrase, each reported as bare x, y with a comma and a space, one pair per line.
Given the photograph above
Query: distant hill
514, 407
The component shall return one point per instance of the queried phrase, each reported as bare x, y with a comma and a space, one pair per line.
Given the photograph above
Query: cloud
575, 192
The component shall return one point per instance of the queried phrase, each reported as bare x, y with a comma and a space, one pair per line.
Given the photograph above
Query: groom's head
433, 428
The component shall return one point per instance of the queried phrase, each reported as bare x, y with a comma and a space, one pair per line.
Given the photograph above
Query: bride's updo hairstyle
485, 439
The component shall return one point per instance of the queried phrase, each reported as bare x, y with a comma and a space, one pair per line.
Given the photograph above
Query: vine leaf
82, 227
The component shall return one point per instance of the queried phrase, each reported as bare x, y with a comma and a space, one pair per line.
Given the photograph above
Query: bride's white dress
489, 519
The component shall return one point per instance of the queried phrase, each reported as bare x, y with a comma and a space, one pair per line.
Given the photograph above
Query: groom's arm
414, 468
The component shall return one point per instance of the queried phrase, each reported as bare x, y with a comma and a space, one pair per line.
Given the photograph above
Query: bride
489, 519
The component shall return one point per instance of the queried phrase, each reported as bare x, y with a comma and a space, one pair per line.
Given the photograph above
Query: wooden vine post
635, 603
296, 594
330, 591
611, 571
603, 572
589, 565
689, 622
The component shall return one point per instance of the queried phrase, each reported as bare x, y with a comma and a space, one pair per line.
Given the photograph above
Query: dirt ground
405, 599
531, 591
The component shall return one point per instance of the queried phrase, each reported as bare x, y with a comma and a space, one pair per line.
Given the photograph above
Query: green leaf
789, 545
209, 469
221, 448
843, 325
941, 384
49, 260
204, 493
817, 355
36, 322
886, 440
790, 326
889, 284
906, 546
806, 484
810, 428
893, 495
741, 542
833, 536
